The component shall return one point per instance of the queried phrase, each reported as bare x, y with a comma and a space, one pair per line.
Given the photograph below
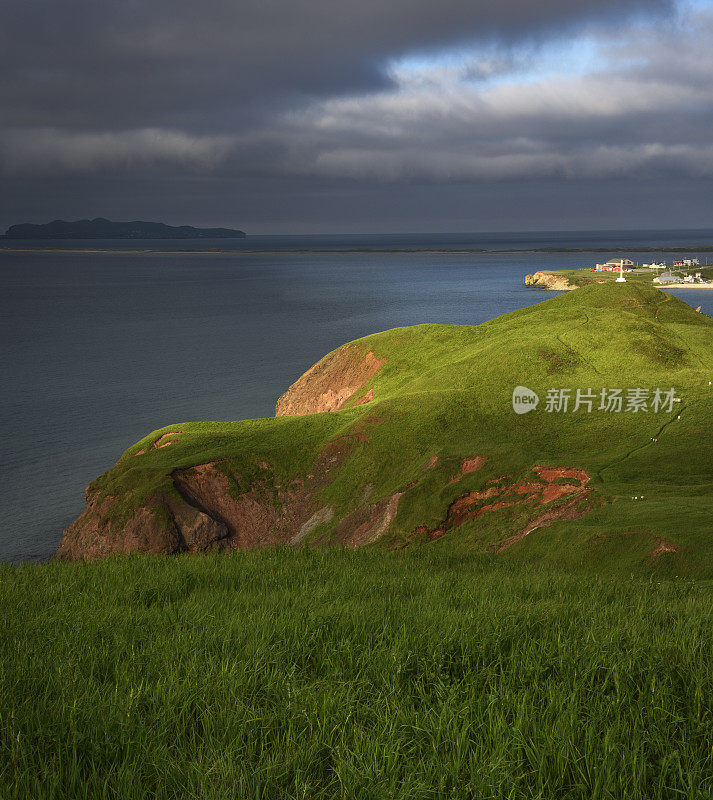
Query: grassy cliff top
444, 394
586, 277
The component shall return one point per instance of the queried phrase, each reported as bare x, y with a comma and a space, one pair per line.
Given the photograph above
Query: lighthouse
621, 278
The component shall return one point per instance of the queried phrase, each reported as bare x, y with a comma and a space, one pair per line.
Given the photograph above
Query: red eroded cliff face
163, 525
207, 511
331, 383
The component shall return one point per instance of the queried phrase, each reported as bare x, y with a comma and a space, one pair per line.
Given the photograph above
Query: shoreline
567, 280
684, 286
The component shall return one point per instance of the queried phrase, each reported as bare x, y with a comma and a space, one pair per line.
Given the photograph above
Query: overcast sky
328, 116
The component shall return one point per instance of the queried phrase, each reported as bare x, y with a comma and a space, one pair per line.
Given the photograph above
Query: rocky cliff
548, 280
205, 508
331, 383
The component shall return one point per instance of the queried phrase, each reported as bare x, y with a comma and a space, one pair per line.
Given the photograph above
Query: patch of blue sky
566, 56
488, 65
695, 5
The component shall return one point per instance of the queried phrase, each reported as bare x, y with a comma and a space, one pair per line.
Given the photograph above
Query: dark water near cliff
100, 349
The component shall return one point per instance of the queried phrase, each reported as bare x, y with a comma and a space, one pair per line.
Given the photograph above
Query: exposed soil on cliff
664, 547
367, 524
365, 398
256, 518
211, 510
91, 537
471, 464
661, 545
331, 383
570, 510
546, 280
525, 497
167, 439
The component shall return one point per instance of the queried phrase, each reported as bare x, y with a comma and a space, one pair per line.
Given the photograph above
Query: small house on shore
668, 277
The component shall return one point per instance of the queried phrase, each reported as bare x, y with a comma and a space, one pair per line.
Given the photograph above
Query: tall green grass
424, 674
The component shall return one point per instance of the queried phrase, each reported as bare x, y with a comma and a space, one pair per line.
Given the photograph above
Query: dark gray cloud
640, 110
181, 63
325, 114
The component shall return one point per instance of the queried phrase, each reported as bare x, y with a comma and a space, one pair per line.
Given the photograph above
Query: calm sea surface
101, 348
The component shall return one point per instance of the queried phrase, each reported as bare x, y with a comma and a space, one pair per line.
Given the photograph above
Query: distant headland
101, 228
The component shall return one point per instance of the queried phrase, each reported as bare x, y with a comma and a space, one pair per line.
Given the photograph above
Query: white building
667, 277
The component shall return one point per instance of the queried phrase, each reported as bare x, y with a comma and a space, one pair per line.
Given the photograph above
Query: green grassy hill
427, 451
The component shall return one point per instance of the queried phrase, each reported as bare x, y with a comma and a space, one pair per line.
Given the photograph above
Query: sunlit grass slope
446, 390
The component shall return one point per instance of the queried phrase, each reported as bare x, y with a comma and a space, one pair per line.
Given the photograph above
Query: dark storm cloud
207, 65
319, 115
642, 108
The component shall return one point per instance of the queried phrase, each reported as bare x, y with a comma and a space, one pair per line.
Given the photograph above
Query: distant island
100, 228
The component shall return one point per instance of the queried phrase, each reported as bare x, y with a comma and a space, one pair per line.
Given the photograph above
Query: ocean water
101, 348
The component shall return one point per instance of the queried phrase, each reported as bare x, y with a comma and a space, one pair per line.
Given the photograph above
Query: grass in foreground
323, 674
